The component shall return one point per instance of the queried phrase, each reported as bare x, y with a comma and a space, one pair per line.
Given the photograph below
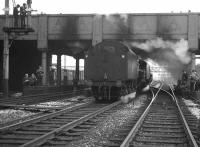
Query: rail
43, 117
186, 127
40, 140
139, 122
133, 132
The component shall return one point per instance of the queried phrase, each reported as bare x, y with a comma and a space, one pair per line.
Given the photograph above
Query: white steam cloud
173, 55
180, 48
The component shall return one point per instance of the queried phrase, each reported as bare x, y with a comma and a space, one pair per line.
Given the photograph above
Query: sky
70, 61
108, 6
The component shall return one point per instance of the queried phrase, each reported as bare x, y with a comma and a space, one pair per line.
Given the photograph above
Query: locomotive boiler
113, 70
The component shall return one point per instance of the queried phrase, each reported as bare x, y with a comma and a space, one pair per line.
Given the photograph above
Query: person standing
16, 15
29, 2
40, 73
194, 77
23, 15
26, 80
33, 79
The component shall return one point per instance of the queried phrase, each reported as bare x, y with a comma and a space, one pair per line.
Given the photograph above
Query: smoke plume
174, 55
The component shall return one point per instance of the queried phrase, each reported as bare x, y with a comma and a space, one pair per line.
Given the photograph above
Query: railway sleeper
160, 140
136, 144
22, 136
164, 126
76, 129
162, 116
69, 134
161, 119
65, 138
28, 133
163, 130
45, 130
56, 143
12, 142
62, 120
47, 125
158, 122
160, 134
69, 117
56, 122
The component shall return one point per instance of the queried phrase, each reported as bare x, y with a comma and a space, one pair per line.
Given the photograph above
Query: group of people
189, 82
21, 12
29, 81
33, 80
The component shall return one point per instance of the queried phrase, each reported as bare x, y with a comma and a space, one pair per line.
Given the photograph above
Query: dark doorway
24, 58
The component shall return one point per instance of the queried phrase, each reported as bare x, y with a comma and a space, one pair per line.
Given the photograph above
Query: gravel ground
8, 115
11, 116
64, 102
106, 128
193, 108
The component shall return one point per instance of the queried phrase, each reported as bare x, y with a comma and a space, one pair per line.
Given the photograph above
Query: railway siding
163, 125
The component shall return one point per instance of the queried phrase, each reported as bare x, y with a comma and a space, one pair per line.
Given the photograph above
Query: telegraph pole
6, 53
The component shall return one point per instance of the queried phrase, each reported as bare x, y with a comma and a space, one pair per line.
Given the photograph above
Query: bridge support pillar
97, 29
6, 54
46, 58
58, 69
49, 65
193, 61
76, 73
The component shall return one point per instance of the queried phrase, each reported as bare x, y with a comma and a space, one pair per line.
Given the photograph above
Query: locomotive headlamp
86, 55
123, 56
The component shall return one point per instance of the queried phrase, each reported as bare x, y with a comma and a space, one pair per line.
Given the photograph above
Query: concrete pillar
49, 64
77, 72
193, 62
6, 66
42, 45
193, 21
97, 29
58, 69
6, 54
45, 67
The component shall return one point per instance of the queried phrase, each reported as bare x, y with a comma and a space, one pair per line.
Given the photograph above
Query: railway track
37, 130
34, 99
39, 110
162, 124
192, 121
66, 135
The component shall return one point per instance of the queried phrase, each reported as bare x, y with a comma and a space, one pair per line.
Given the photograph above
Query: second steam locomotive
113, 70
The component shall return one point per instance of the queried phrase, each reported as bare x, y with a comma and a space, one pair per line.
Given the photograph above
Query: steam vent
119, 79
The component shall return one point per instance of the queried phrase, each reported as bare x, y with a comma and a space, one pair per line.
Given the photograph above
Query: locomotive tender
113, 70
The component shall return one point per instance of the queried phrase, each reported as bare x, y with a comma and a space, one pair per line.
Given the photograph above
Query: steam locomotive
113, 70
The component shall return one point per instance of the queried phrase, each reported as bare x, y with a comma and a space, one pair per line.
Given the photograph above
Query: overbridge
72, 34
95, 28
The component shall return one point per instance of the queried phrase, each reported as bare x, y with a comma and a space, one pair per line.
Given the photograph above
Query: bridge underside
73, 34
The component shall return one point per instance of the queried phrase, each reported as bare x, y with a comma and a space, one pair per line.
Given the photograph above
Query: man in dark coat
23, 15
16, 15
